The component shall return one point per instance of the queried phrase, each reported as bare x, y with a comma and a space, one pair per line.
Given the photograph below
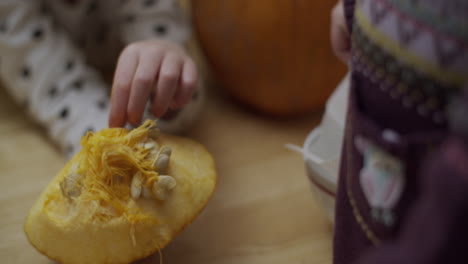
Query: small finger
142, 85
168, 79
126, 67
187, 85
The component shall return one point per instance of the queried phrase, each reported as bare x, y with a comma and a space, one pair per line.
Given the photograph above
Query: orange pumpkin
272, 55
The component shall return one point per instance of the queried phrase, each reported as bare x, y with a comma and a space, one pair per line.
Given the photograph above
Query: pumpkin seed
161, 163
166, 182
163, 186
149, 145
166, 150
136, 185
70, 186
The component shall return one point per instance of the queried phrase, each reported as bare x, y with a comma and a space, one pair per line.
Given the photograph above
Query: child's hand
339, 33
154, 68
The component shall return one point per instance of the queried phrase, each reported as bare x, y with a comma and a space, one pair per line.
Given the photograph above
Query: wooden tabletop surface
263, 210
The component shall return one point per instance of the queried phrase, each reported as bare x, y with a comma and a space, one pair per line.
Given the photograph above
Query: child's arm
41, 69
153, 19
154, 65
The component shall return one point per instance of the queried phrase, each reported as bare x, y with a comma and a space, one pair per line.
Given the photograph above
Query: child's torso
409, 59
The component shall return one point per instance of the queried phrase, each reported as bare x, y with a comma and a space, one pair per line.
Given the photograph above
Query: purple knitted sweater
403, 186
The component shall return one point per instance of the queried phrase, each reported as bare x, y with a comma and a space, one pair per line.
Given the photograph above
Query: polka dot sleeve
146, 19
43, 71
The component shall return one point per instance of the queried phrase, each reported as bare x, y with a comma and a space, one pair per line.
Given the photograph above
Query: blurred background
273, 56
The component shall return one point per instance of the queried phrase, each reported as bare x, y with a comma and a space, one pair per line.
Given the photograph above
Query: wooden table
262, 212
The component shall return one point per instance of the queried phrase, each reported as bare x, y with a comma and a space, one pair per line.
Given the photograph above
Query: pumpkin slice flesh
103, 224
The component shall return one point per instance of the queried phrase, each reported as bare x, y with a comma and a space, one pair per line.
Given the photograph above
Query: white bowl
322, 149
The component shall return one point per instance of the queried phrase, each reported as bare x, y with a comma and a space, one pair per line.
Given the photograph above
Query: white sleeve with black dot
41, 68
146, 19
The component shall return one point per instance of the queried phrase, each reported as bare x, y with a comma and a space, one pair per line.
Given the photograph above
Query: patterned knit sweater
403, 187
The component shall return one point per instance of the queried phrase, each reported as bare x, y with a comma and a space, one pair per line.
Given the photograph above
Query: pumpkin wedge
123, 197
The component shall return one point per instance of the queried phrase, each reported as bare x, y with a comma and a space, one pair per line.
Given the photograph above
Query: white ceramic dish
322, 149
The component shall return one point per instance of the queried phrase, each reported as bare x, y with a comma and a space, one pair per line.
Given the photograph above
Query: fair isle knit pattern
413, 52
